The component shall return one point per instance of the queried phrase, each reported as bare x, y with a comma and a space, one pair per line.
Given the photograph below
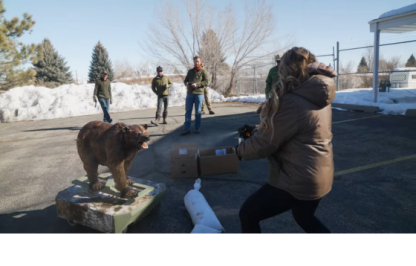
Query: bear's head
136, 136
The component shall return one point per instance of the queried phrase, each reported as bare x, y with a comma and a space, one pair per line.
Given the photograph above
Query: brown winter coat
300, 150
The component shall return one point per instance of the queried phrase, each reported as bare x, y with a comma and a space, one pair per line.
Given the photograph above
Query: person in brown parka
295, 136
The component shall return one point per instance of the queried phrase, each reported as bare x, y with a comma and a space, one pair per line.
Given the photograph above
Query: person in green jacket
102, 91
196, 81
273, 77
160, 86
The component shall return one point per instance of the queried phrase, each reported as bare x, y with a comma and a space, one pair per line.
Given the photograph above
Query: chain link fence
396, 82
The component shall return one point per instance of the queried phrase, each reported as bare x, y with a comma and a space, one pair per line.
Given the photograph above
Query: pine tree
363, 66
52, 68
212, 55
99, 63
15, 54
411, 62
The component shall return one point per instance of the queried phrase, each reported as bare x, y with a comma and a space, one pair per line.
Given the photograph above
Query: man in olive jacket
103, 91
196, 81
273, 77
160, 86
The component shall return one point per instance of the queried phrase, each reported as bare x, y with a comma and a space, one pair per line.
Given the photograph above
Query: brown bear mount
114, 146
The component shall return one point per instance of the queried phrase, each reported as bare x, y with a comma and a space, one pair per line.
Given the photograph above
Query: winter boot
165, 114
156, 121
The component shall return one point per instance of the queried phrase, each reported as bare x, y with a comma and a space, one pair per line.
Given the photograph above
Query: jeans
162, 100
189, 103
270, 201
105, 105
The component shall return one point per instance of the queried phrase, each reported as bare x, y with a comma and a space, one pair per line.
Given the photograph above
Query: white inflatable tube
201, 213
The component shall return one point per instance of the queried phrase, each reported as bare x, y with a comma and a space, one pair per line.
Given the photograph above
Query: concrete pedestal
104, 210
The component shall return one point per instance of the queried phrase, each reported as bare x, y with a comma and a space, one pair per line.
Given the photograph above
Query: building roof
396, 21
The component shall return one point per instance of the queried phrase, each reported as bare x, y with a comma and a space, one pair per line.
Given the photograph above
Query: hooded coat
299, 149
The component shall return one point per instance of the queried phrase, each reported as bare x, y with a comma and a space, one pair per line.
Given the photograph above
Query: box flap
184, 151
216, 151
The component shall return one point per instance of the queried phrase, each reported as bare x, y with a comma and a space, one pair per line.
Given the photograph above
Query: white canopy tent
395, 21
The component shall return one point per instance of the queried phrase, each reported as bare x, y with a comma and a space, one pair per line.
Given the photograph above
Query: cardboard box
217, 161
184, 160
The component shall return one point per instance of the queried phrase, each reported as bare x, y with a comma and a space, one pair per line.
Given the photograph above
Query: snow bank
37, 103
395, 102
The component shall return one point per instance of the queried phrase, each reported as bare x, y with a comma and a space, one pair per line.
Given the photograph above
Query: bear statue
114, 146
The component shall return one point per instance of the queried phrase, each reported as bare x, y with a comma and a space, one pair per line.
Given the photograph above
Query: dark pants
270, 201
105, 105
162, 100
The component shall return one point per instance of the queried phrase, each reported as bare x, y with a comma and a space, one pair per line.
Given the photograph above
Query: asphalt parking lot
373, 192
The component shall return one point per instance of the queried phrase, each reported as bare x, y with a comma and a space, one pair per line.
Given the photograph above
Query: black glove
246, 131
236, 152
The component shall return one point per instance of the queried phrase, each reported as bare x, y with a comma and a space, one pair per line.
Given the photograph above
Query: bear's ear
145, 126
125, 129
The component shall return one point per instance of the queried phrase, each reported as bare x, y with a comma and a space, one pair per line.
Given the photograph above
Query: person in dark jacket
102, 91
295, 136
388, 85
160, 86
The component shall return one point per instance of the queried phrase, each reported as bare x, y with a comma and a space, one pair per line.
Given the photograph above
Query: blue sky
75, 26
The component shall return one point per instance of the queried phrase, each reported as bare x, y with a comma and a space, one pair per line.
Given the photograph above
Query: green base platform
104, 210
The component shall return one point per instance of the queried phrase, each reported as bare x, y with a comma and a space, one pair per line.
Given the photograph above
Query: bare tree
348, 80
176, 42
389, 65
125, 69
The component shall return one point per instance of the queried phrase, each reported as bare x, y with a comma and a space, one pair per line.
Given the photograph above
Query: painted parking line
349, 120
374, 165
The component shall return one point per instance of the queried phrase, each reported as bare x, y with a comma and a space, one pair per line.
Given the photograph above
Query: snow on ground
395, 102
37, 103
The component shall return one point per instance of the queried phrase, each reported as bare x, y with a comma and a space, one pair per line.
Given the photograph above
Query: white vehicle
403, 77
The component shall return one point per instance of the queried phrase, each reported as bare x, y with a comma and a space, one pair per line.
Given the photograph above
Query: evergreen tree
363, 66
15, 54
411, 62
52, 68
99, 63
212, 55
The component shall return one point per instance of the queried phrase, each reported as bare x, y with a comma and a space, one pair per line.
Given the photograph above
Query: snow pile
37, 103
395, 102
258, 98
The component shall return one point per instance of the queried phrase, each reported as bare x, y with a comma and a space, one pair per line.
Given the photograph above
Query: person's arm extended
263, 144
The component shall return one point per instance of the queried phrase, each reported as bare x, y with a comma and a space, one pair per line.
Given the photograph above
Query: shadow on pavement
55, 128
